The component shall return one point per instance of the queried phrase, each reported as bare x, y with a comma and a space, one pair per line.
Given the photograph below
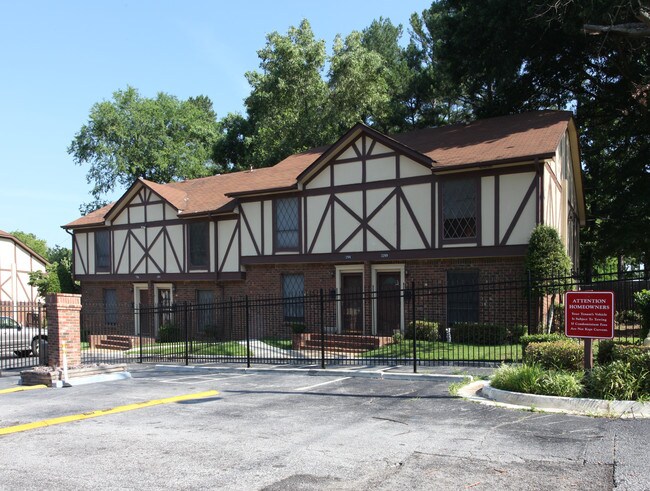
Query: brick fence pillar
63, 328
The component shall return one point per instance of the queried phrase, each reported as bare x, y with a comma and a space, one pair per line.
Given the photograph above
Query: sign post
589, 315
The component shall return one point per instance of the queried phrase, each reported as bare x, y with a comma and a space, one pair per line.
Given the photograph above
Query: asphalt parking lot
281, 430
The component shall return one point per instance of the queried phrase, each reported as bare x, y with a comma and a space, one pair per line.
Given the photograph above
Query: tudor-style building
17, 261
454, 204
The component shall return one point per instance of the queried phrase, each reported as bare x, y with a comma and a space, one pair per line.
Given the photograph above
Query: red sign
589, 315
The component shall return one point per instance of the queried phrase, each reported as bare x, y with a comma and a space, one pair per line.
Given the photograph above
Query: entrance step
117, 342
345, 343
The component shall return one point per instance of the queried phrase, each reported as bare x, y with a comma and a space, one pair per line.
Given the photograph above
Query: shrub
546, 258
610, 350
617, 380
556, 355
524, 378
479, 334
642, 299
170, 333
539, 338
533, 379
627, 317
561, 383
298, 327
424, 331
398, 337
211, 332
515, 333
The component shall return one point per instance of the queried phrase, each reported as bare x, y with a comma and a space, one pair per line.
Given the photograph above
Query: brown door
388, 303
352, 303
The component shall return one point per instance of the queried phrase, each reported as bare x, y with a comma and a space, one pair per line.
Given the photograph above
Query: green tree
161, 139
57, 276
504, 56
39, 246
287, 100
359, 84
548, 264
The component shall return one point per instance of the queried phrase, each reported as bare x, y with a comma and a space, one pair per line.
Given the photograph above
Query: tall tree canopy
161, 139
507, 56
295, 105
285, 106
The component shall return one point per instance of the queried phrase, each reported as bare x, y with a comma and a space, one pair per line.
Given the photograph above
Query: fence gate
22, 330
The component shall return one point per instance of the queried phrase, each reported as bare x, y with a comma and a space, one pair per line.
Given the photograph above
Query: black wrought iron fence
23, 331
425, 324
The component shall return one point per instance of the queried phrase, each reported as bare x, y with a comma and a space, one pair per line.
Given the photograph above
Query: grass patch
285, 344
533, 379
437, 351
230, 348
456, 386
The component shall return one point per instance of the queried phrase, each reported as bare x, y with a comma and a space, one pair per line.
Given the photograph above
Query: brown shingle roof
505, 138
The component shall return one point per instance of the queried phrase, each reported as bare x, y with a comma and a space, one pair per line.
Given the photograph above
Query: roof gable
25, 247
347, 141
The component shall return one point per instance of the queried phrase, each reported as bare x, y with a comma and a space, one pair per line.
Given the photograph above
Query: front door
142, 311
388, 303
352, 303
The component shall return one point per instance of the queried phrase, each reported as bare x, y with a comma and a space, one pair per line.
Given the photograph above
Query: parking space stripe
22, 388
105, 412
322, 383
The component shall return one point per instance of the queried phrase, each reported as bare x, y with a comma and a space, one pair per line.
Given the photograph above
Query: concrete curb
482, 391
91, 379
334, 372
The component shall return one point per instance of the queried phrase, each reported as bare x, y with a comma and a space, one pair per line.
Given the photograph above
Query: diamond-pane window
459, 209
287, 223
293, 296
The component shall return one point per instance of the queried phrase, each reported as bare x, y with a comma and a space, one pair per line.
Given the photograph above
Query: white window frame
137, 287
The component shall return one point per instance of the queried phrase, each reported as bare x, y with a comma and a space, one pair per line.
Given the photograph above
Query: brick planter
50, 376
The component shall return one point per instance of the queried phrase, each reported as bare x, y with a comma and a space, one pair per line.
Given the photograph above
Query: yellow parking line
22, 388
104, 412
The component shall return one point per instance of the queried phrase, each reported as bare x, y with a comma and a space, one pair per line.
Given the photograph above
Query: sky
58, 58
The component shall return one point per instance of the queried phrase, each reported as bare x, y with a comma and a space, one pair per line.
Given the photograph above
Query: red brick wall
499, 303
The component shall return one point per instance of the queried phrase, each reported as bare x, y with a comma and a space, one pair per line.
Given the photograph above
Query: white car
20, 340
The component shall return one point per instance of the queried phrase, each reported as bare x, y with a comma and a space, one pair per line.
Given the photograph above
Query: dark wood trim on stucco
520, 210
383, 256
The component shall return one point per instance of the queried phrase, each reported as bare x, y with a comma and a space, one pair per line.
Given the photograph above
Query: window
293, 295
459, 209
287, 235
110, 306
205, 310
199, 244
462, 296
102, 250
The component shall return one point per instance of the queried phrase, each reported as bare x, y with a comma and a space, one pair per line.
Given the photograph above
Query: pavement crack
391, 420
614, 463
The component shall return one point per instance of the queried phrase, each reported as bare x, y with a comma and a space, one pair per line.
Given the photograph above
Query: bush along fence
415, 325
